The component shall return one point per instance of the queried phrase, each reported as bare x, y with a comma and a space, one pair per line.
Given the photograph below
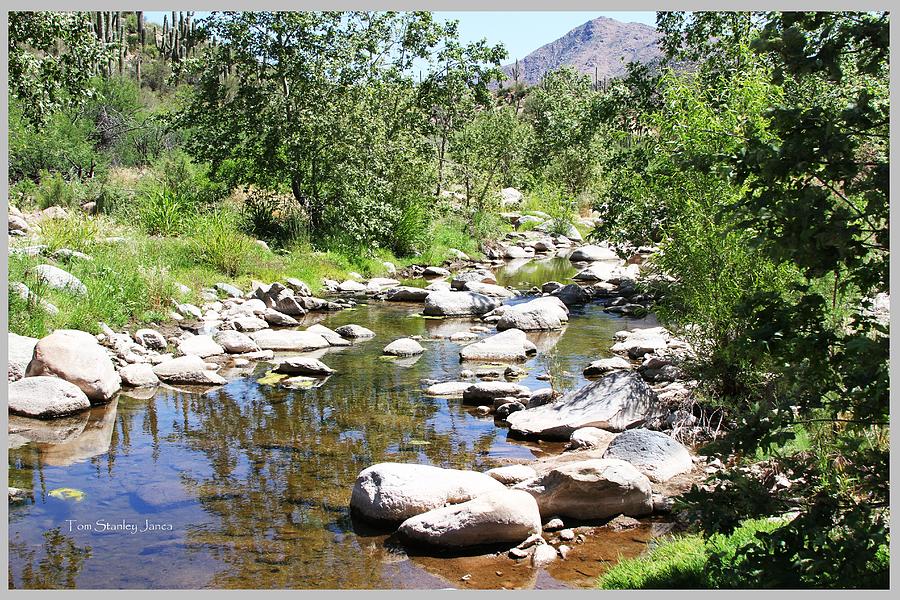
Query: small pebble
567, 534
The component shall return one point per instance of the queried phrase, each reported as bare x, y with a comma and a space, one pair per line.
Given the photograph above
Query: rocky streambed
256, 444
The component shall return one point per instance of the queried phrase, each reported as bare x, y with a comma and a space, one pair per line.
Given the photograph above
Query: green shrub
54, 190
164, 212
217, 242
410, 233
276, 219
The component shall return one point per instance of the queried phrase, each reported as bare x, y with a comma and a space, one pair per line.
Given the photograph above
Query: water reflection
62, 442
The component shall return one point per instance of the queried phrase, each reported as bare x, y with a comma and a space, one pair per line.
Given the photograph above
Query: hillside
602, 45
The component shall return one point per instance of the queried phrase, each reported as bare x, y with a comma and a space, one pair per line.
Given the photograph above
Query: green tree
559, 110
321, 104
52, 57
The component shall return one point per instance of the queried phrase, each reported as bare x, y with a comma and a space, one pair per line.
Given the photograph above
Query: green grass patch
683, 562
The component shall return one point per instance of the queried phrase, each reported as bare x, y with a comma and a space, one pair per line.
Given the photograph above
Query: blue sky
520, 31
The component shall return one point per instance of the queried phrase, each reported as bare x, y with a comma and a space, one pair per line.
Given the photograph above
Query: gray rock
479, 276
353, 332
543, 555
617, 402
138, 375
394, 492
511, 345
278, 319
150, 339
190, 309
351, 286
498, 517
490, 390
591, 437
654, 453
606, 365
43, 397
200, 345
287, 339
235, 342
512, 474
20, 351
541, 397
64, 254
57, 279
592, 489
572, 294
435, 272
229, 290
458, 304
504, 410
76, 357
303, 365
249, 324
406, 294
592, 254
332, 336
300, 288
189, 370
538, 314
448, 389
404, 347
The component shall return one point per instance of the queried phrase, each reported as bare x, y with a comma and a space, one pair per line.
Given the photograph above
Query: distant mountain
603, 46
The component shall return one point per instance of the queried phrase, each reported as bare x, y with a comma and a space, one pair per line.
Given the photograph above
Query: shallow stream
248, 485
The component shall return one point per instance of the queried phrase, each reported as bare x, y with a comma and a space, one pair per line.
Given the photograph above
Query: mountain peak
603, 46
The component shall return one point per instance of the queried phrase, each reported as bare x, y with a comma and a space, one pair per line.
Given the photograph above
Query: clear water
248, 485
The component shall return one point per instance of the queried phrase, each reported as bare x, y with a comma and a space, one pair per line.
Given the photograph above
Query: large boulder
500, 517
617, 402
20, 351
303, 365
188, 370
508, 346
538, 314
603, 271
490, 289
404, 347
57, 279
572, 294
235, 342
654, 453
591, 489
288, 339
43, 397
200, 345
592, 254
249, 324
458, 304
76, 357
394, 492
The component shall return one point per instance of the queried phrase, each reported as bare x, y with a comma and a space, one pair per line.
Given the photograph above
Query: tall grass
164, 212
218, 243
77, 232
54, 190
